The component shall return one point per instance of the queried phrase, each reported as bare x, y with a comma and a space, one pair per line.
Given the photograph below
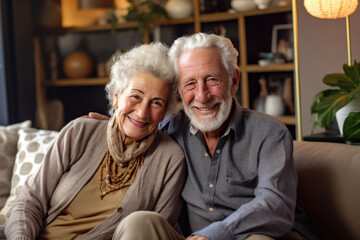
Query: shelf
287, 120
203, 18
171, 21
77, 82
287, 67
225, 16
237, 21
270, 10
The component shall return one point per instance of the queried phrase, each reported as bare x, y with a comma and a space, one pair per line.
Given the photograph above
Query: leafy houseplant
346, 87
145, 12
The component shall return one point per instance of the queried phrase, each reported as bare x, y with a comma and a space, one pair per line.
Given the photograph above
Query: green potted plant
145, 12
345, 88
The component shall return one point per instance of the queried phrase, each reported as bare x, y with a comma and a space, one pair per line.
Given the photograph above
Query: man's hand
98, 116
196, 237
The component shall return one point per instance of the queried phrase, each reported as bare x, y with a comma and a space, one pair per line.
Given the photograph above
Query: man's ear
235, 82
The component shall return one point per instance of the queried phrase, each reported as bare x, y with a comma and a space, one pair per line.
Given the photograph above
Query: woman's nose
142, 110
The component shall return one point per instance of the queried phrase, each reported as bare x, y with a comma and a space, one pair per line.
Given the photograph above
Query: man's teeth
206, 108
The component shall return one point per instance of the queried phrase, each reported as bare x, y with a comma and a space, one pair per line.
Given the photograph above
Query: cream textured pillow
32, 146
8, 147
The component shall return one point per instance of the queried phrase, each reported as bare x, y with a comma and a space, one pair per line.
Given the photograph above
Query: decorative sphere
78, 65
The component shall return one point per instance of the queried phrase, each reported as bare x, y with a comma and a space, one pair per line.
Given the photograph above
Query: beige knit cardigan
72, 161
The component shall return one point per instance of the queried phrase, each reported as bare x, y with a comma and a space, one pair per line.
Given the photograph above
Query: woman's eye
135, 96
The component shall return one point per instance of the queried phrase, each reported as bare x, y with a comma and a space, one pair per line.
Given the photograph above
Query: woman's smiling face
141, 106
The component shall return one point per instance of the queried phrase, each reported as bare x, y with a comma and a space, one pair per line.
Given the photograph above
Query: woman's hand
196, 237
98, 116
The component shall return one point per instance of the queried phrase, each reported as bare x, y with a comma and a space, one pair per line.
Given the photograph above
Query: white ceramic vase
179, 8
262, 4
274, 105
243, 5
342, 113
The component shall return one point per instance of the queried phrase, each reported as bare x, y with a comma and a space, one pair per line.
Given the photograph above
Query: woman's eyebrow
137, 90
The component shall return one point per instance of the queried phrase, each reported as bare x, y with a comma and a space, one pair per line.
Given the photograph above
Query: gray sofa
329, 188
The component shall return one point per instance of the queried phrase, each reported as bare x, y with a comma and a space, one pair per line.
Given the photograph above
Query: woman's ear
115, 100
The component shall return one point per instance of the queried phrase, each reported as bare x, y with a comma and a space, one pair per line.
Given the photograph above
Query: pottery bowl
243, 5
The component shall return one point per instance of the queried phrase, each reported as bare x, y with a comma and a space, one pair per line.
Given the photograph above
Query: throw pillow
8, 148
32, 147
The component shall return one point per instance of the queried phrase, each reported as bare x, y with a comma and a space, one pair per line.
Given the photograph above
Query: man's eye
190, 84
213, 81
157, 104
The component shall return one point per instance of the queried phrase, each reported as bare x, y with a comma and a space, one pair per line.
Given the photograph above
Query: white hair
203, 40
146, 58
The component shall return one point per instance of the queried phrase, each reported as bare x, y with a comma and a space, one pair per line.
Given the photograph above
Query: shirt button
206, 154
211, 209
120, 209
211, 185
218, 151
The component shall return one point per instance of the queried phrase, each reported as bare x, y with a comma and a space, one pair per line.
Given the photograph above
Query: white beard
209, 123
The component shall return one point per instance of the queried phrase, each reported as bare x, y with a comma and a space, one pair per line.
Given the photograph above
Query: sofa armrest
329, 187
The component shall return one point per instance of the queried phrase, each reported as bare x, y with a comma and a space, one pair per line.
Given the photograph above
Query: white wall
322, 50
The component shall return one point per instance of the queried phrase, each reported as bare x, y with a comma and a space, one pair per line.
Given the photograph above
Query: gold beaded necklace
114, 180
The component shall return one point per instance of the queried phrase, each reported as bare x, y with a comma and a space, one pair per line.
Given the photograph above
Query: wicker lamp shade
330, 9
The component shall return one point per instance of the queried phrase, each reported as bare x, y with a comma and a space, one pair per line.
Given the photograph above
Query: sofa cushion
329, 183
32, 146
8, 142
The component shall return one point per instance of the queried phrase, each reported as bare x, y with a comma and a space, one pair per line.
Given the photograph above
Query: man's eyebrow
159, 99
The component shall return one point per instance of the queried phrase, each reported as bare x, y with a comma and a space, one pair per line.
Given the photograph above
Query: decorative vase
262, 4
342, 113
259, 102
243, 5
78, 65
179, 8
50, 15
274, 105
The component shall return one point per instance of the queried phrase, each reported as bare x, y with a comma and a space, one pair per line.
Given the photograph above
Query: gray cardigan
71, 162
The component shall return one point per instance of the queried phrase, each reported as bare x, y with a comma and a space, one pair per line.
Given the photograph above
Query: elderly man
241, 181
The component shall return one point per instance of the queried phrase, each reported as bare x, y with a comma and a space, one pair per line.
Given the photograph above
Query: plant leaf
351, 129
352, 73
340, 80
326, 104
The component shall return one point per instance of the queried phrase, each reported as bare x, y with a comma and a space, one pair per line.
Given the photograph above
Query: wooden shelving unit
197, 20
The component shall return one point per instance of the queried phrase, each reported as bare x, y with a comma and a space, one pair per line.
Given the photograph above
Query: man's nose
202, 93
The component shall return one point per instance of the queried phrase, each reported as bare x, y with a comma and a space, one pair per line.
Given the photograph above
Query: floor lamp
326, 9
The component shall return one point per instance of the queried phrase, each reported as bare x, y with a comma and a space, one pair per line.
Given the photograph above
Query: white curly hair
146, 58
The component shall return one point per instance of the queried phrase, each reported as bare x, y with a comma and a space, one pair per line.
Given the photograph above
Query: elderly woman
98, 172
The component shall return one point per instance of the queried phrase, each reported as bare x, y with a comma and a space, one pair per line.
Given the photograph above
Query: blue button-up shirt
248, 185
